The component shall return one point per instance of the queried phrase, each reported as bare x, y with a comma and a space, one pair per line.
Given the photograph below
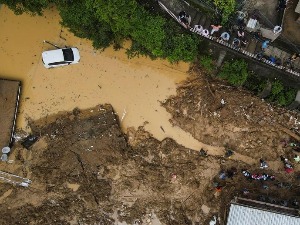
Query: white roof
53, 56
243, 215
297, 10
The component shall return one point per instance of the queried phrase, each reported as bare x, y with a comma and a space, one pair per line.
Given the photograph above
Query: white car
60, 57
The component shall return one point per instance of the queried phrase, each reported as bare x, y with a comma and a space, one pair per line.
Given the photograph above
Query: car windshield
68, 54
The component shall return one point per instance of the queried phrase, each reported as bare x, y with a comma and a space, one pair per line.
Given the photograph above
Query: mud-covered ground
84, 170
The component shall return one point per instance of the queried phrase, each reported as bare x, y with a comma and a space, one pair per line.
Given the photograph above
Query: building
9, 101
250, 212
297, 10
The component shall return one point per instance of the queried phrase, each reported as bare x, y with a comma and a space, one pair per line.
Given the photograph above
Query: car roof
53, 56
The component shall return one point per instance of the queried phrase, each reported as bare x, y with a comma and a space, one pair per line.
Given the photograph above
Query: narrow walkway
174, 7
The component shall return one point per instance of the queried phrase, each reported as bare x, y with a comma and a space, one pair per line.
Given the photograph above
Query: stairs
253, 46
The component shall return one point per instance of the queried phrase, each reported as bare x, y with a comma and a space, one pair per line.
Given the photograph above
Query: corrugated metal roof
297, 10
243, 215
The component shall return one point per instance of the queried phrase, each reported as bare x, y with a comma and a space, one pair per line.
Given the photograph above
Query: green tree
227, 7
149, 30
83, 23
112, 21
117, 13
207, 63
28, 6
277, 87
282, 95
181, 47
235, 72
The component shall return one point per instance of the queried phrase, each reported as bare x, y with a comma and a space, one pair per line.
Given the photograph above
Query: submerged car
60, 57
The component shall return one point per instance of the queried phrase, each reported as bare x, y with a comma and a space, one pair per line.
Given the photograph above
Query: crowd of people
239, 37
291, 148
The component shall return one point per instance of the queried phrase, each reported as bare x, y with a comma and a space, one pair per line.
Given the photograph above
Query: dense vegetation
226, 7
237, 74
107, 22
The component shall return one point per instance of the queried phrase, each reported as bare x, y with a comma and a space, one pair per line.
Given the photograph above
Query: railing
15, 115
249, 54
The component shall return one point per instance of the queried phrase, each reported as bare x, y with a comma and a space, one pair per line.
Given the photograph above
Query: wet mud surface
85, 170
99, 165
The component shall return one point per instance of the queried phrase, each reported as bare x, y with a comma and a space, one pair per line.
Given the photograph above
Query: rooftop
9, 98
259, 213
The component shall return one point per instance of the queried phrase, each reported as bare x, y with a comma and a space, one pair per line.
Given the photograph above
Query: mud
85, 170
134, 87
83, 164
245, 123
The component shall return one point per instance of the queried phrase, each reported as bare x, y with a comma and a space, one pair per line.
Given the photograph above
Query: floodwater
134, 87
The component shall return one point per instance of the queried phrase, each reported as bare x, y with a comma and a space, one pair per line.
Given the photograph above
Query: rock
205, 209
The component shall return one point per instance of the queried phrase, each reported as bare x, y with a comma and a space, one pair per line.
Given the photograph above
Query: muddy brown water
134, 87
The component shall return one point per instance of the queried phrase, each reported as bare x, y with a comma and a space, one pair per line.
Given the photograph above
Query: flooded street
134, 87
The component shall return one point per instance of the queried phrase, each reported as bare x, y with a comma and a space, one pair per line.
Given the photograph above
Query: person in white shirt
277, 29
198, 29
205, 32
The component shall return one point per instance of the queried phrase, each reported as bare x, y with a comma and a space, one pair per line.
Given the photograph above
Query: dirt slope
245, 123
84, 170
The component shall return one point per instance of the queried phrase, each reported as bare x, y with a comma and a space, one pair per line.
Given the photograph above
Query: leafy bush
281, 95
255, 83
277, 87
207, 63
107, 22
83, 23
181, 47
227, 7
235, 72
28, 6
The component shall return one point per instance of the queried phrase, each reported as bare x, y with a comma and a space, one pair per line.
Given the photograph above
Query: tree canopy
107, 22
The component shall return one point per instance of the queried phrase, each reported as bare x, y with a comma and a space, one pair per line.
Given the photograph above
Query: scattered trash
213, 221
123, 115
287, 165
245, 191
218, 186
297, 158
266, 187
29, 141
231, 172
14, 179
222, 175
257, 176
284, 185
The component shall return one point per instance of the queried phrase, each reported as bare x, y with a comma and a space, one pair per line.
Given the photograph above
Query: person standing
225, 36
240, 33
215, 28
265, 44
263, 164
198, 29
277, 29
294, 56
